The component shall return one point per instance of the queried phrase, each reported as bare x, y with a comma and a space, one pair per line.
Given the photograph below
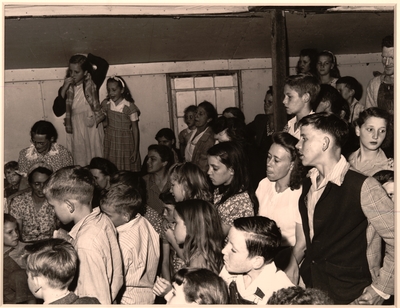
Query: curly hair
193, 179
288, 142
296, 295
203, 232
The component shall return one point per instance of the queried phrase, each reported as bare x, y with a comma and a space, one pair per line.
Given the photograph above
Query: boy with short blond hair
139, 242
70, 192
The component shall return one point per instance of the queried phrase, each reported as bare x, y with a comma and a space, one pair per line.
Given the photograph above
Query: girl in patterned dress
228, 171
122, 136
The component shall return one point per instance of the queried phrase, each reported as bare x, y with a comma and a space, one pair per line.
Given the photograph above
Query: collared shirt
291, 125
120, 108
94, 238
379, 211
57, 157
268, 281
370, 167
140, 247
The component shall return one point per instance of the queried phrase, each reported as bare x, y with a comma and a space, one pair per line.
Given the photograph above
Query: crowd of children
238, 214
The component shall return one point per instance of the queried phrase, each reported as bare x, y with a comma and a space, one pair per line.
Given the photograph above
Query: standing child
78, 99
351, 91
327, 68
70, 192
300, 93
198, 228
371, 127
184, 135
138, 240
51, 266
15, 287
122, 137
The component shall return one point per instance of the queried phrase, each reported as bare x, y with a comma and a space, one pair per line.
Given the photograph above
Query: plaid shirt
378, 208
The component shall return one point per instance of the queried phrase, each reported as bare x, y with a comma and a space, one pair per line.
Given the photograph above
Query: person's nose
375, 134
298, 145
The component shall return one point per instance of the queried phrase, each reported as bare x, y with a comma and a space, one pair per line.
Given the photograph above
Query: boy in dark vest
345, 217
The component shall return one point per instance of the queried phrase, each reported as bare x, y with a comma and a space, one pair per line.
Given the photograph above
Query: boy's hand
61, 233
161, 287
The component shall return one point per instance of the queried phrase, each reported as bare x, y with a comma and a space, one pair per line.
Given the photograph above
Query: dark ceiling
44, 42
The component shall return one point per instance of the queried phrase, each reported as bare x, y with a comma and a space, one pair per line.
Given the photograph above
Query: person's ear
126, 217
70, 205
306, 98
258, 262
357, 129
325, 143
231, 171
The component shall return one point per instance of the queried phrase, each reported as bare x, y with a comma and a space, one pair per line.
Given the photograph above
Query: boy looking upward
70, 192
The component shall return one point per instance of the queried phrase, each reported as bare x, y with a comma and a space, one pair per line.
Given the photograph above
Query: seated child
171, 261
298, 296
15, 286
51, 265
197, 286
13, 179
94, 237
166, 136
249, 270
184, 135
138, 240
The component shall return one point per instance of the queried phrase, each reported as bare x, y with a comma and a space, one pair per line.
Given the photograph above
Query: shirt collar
336, 176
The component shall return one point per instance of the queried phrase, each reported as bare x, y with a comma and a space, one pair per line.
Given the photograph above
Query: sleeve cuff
380, 293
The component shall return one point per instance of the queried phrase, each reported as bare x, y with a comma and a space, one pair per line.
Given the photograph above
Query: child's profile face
389, 188
117, 218
11, 234
189, 119
180, 229
346, 93
178, 191
294, 103
115, 92
76, 72
235, 252
12, 177
168, 212
62, 210
372, 133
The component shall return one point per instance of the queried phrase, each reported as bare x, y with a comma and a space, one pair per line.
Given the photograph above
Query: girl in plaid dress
121, 139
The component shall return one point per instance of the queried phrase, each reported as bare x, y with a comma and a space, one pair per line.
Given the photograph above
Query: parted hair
202, 286
44, 128
262, 235
72, 182
328, 123
203, 232
55, 259
288, 142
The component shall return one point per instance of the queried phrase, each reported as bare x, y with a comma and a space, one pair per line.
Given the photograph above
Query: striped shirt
140, 247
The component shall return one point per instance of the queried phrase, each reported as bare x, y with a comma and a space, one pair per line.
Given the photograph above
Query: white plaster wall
29, 94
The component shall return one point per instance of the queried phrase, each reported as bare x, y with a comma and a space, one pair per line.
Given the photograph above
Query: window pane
225, 98
183, 83
205, 95
184, 99
204, 82
224, 81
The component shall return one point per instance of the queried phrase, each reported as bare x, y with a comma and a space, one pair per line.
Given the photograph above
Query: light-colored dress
281, 207
119, 146
86, 141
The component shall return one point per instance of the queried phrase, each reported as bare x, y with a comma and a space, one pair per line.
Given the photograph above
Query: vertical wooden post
280, 67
